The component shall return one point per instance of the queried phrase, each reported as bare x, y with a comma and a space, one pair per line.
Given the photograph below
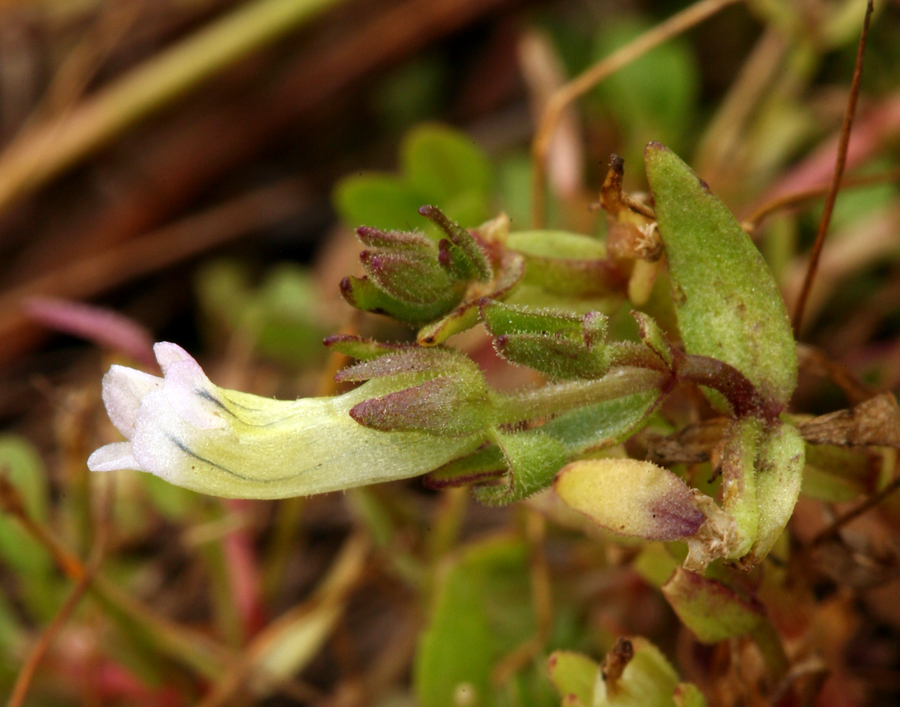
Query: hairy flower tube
192, 433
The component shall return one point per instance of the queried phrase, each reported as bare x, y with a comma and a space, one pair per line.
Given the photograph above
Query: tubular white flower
192, 433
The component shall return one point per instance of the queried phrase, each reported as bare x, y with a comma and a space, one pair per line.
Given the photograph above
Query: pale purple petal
113, 457
123, 390
193, 397
168, 353
190, 393
161, 438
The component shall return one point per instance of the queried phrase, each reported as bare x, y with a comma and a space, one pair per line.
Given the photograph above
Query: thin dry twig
854, 513
583, 83
796, 198
838, 171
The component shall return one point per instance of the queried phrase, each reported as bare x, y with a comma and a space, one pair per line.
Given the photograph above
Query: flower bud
631, 497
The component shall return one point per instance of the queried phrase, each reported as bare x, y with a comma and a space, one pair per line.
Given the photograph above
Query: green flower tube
222, 442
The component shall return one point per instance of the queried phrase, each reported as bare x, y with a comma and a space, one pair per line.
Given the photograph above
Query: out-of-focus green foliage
439, 167
481, 611
656, 94
279, 315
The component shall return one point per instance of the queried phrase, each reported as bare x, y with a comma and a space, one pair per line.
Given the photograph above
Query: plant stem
41, 152
839, 164
562, 397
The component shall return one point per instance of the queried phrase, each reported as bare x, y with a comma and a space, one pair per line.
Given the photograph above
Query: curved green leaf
728, 305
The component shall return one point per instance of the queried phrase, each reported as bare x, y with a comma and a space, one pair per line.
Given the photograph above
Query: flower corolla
221, 442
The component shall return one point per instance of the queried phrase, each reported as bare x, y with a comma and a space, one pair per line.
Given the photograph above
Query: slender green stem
45, 150
562, 397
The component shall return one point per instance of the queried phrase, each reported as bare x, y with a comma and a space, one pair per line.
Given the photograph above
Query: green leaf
838, 474
728, 305
378, 200
574, 674
441, 163
739, 480
711, 610
25, 471
778, 478
279, 315
566, 263
655, 94
481, 612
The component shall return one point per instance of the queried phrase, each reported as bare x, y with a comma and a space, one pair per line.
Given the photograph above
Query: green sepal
485, 463
446, 407
362, 348
533, 458
712, 611
654, 338
408, 242
411, 279
453, 260
506, 319
465, 315
727, 303
557, 358
463, 240
364, 294
579, 431
549, 341
428, 362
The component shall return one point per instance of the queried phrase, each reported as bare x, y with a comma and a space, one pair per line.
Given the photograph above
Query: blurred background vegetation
195, 168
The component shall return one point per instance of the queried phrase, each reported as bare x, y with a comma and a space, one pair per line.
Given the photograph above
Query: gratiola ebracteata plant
427, 408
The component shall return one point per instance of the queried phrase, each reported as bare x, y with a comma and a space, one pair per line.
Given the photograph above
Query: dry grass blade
45, 149
583, 83
838, 172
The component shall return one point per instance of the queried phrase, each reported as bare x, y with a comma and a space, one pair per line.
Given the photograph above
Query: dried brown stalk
799, 197
838, 172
